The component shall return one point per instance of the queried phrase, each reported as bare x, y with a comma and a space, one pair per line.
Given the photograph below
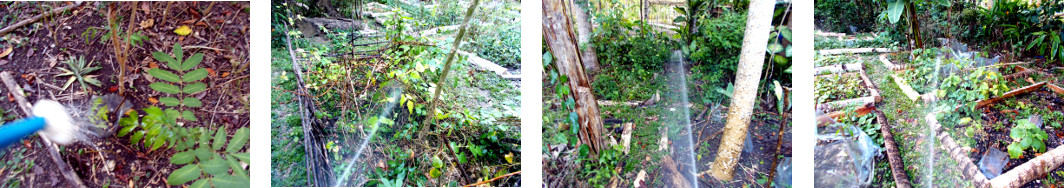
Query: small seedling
1025, 135
79, 71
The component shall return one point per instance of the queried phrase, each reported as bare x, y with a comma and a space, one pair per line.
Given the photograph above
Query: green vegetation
1026, 136
79, 70
184, 83
378, 88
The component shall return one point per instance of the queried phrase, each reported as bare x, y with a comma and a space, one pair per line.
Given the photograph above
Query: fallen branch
841, 68
36, 18
493, 179
53, 151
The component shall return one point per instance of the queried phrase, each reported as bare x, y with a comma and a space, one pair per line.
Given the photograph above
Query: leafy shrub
1026, 135
847, 16
715, 51
184, 83
630, 53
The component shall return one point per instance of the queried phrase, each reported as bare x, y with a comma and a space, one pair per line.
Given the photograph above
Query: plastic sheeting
844, 157
783, 174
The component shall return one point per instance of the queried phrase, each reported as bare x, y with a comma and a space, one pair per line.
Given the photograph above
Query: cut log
897, 166
853, 51
1014, 92
1033, 169
905, 87
871, 87
53, 151
842, 104
886, 62
948, 145
747, 79
558, 34
840, 68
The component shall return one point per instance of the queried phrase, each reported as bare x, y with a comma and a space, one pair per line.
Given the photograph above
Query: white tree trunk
751, 61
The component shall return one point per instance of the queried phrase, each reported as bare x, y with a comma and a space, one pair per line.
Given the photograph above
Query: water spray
49, 119
393, 98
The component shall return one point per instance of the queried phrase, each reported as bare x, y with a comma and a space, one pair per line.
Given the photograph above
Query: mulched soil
1002, 113
220, 32
755, 162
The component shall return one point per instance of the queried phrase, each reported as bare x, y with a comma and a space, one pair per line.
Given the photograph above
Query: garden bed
1000, 112
837, 91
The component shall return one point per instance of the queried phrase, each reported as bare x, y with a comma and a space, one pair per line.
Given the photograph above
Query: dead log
965, 164
580, 13
905, 88
853, 51
871, 87
888, 64
1033, 169
1014, 92
840, 68
897, 167
53, 151
672, 174
558, 34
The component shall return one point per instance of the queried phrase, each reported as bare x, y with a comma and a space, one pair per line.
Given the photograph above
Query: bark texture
897, 167
583, 30
560, 39
751, 61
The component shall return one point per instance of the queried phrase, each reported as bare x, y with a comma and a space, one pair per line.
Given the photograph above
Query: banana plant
78, 71
908, 8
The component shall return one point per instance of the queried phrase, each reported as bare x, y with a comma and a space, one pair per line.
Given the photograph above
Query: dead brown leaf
6, 52
153, 100
147, 23
225, 74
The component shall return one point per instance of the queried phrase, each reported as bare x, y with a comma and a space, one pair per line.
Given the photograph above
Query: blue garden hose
13, 132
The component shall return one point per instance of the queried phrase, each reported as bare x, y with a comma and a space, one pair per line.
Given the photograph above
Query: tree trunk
558, 34
914, 25
751, 60
583, 30
447, 65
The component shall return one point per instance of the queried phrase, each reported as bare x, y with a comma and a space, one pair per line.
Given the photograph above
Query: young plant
153, 130
1026, 135
182, 84
211, 162
79, 71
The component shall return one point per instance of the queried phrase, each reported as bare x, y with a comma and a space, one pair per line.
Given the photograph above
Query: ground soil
220, 32
1001, 113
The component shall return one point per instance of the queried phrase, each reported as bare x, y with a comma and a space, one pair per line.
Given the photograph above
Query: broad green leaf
219, 139
164, 75
435, 172
125, 130
188, 115
225, 180
235, 165
215, 166
137, 136
775, 48
1015, 151
192, 102
165, 88
184, 175
243, 157
574, 124
170, 61
895, 10
191, 62
172, 113
436, 162
179, 54
157, 143
203, 154
194, 75
195, 87
239, 140
182, 157
169, 101
201, 183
